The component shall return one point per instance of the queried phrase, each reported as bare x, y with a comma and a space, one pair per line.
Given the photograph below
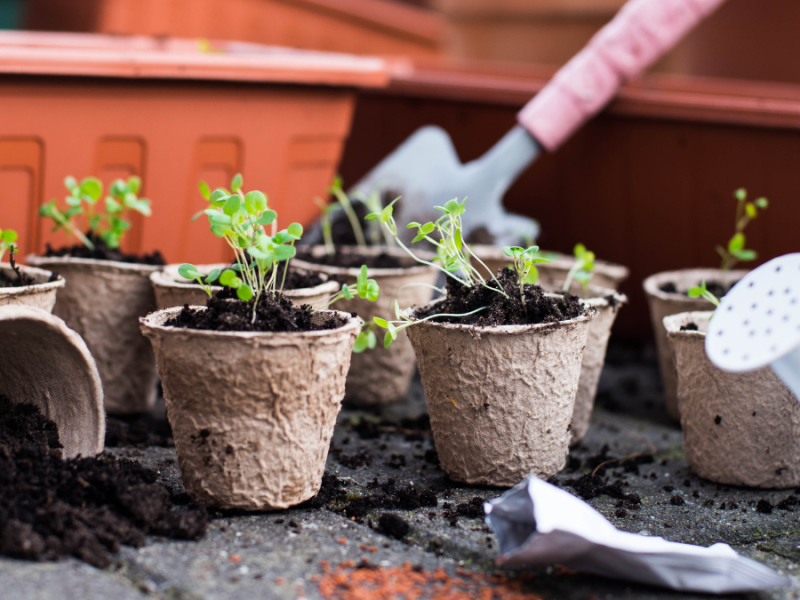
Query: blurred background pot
103, 301
381, 375
44, 363
664, 303
738, 428
253, 424
40, 295
500, 398
173, 290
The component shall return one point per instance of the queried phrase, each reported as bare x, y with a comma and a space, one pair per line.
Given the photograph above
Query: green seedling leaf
745, 255
232, 205
268, 217
189, 271
282, 253
244, 292
380, 322
229, 278
71, 184
295, 230
134, 184
205, 191
255, 203
236, 182
259, 254
451, 206
9, 236
751, 210
346, 292
397, 312
762, 203
373, 290
213, 275
736, 243
91, 188
740, 194
219, 197
413, 224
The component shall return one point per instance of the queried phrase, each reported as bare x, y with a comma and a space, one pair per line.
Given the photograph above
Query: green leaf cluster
701, 291
582, 269
736, 249
524, 262
8, 240
106, 220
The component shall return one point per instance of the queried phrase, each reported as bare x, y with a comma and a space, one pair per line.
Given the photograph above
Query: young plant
8, 238
326, 224
344, 201
108, 225
525, 261
393, 328
700, 291
745, 212
582, 270
376, 228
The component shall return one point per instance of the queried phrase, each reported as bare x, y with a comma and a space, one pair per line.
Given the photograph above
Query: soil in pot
537, 308
19, 279
102, 252
354, 260
84, 507
274, 313
296, 279
715, 287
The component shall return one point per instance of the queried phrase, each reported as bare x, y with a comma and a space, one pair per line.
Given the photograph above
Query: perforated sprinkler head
758, 322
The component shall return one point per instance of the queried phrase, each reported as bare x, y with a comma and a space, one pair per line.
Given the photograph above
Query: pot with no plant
377, 375
253, 384
668, 292
25, 286
738, 428
500, 362
106, 290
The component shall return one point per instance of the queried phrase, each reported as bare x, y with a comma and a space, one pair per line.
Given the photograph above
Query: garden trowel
426, 171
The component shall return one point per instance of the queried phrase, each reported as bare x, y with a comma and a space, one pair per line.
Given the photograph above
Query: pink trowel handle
640, 33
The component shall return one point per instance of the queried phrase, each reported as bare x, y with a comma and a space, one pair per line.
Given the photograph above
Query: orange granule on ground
407, 583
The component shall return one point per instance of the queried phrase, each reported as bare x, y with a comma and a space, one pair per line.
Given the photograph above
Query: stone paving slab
278, 555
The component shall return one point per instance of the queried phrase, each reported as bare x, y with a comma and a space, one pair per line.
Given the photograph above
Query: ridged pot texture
664, 304
173, 290
738, 428
500, 399
103, 300
41, 295
381, 375
44, 363
252, 414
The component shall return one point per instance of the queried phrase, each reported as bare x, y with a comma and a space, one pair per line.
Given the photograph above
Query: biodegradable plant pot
252, 413
380, 376
607, 303
738, 428
103, 301
44, 363
173, 290
500, 398
606, 274
40, 295
663, 304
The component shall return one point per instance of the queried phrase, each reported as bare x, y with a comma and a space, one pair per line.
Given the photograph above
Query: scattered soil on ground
140, 431
502, 310
590, 486
276, 314
85, 507
392, 526
354, 260
103, 252
414, 429
715, 287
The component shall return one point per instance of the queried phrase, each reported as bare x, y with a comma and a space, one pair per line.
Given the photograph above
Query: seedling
8, 238
402, 322
745, 212
239, 219
700, 291
108, 225
347, 206
525, 261
583, 268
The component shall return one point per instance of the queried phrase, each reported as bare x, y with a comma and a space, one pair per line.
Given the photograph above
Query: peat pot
381, 375
173, 290
40, 295
738, 428
500, 399
103, 301
663, 304
252, 413
606, 274
607, 303
44, 363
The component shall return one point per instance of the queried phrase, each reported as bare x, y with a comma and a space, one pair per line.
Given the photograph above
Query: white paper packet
538, 524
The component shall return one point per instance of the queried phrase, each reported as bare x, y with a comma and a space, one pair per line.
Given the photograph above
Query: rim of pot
374, 272
504, 329
652, 284
37, 287
154, 321
596, 296
41, 261
673, 323
618, 273
166, 278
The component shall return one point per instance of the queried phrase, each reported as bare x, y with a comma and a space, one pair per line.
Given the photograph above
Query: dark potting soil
689, 327
715, 287
352, 260
19, 279
392, 526
502, 310
139, 431
276, 314
295, 280
84, 507
103, 252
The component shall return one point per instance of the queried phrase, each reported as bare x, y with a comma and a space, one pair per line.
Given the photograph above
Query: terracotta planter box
381, 375
173, 290
738, 428
173, 115
40, 295
663, 304
253, 425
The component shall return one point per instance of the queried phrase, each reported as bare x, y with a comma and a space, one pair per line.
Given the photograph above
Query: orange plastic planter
85, 104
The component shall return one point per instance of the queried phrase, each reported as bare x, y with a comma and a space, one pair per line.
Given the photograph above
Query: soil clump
503, 310
276, 314
102, 252
140, 431
354, 260
83, 507
295, 280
